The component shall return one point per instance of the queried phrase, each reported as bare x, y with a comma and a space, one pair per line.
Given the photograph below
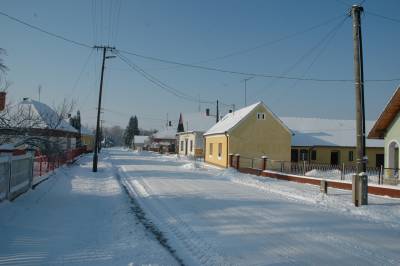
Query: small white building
191, 141
164, 140
140, 142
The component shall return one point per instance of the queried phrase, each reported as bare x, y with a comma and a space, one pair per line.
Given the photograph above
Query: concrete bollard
324, 186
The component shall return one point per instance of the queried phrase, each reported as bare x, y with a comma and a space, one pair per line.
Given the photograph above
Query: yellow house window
211, 149
219, 150
351, 156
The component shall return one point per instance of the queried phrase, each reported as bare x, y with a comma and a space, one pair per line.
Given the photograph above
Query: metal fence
327, 171
377, 175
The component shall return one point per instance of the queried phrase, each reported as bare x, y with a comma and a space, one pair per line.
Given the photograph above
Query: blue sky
193, 32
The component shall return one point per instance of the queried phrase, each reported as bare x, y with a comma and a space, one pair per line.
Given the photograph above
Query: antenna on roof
39, 91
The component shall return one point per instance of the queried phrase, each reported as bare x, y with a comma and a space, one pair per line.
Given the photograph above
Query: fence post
237, 161
380, 180
230, 156
40, 165
264, 162
342, 173
9, 177
282, 165
304, 168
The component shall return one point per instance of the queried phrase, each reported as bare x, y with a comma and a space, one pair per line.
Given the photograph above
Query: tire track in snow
141, 216
203, 251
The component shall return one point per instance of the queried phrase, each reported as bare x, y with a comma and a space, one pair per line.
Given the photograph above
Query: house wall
253, 138
214, 158
392, 135
88, 140
197, 140
323, 155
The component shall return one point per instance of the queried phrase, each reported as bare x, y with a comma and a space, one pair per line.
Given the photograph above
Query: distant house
87, 138
190, 142
252, 132
330, 141
387, 128
140, 142
38, 120
164, 140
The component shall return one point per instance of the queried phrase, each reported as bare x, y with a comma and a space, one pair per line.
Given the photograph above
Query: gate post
237, 161
230, 159
264, 162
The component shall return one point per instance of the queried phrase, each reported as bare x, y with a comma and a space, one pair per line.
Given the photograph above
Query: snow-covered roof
166, 133
86, 131
232, 119
197, 122
140, 139
326, 132
42, 116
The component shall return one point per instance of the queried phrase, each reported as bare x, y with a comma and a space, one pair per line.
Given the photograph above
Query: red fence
44, 164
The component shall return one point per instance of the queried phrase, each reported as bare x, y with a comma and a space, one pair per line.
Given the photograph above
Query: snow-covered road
77, 218
219, 217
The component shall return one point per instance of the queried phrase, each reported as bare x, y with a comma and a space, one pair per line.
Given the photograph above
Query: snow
202, 215
326, 132
86, 131
77, 218
220, 217
48, 118
140, 139
198, 122
166, 133
231, 119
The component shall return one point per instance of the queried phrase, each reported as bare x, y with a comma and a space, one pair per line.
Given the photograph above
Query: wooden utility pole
359, 88
360, 180
96, 140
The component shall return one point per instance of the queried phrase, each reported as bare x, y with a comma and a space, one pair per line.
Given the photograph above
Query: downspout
204, 148
227, 149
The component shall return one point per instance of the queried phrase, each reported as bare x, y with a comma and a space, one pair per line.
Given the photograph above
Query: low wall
380, 190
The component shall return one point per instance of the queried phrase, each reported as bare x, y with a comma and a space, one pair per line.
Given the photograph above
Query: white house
191, 141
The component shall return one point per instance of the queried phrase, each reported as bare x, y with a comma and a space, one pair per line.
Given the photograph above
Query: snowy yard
208, 216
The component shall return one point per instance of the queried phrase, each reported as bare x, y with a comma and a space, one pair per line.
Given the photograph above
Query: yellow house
330, 141
252, 132
87, 138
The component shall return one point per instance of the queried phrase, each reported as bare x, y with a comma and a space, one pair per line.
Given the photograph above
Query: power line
382, 16
159, 83
45, 31
268, 43
242, 73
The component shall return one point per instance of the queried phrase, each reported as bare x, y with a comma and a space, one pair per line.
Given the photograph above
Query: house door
186, 146
334, 157
379, 160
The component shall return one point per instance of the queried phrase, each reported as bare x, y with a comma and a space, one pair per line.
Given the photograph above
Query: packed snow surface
77, 218
201, 215
220, 217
